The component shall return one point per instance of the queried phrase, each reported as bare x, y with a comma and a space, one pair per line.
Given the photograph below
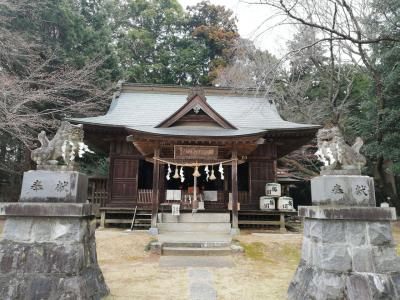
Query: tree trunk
387, 189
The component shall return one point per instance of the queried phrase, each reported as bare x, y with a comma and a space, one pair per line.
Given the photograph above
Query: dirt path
264, 272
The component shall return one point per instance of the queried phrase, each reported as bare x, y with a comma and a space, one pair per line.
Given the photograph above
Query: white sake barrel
285, 203
273, 189
267, 203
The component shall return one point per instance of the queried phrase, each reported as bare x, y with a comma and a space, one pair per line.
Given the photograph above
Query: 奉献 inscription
37, 185
61, 186
337, 189
361, 190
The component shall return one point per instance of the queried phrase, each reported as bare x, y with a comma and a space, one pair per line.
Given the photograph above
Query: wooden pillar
110, 178
155, 195
235, 218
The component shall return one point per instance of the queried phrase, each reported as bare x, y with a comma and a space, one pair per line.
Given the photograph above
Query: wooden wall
262, 169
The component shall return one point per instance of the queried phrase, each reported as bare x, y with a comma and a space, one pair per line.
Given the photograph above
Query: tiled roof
143, 111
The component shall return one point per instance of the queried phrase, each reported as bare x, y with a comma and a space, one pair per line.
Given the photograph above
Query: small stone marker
348, 250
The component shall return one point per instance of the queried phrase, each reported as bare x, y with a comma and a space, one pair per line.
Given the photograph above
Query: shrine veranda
153, 132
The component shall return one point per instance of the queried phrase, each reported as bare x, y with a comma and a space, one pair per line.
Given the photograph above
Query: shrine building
207, 149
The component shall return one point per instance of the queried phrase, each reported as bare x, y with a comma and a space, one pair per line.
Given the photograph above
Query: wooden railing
145, 195
97, 193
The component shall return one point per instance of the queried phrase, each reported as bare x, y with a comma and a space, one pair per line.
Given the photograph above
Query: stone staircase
200, 234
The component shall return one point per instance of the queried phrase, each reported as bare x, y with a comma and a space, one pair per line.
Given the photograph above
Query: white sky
252, 25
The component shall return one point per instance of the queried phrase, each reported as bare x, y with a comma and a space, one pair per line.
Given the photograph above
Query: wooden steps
133, 216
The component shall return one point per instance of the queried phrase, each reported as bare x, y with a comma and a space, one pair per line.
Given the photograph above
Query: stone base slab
346, 190
89, 284
54, 186
56, 168
48, 230
352, 171
348, 213
312, 283
45, 209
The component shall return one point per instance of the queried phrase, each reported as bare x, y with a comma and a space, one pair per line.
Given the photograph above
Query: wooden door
124, 187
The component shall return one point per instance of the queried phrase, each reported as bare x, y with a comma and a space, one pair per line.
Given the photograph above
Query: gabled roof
196, 101
149, 108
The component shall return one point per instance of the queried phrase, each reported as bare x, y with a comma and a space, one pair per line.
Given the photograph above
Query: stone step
191, 251
194, 218
198, 244
194, 237
194, 227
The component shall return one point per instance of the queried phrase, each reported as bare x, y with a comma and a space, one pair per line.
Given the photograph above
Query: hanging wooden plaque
195, 152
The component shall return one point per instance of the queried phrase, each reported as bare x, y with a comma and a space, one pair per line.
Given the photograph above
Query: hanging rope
195, 164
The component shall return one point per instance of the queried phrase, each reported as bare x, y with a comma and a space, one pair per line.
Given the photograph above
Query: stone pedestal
52, 186
348, 250
48, 248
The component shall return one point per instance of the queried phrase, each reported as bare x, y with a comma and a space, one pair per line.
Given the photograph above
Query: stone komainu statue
335, 153
67, 144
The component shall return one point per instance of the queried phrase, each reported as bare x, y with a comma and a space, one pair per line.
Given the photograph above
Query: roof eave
160, 135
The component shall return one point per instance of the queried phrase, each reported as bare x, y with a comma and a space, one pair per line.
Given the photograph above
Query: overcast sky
251, 19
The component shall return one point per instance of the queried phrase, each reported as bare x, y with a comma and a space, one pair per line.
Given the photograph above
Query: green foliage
70, 31
365, 120
215, 28
377, 120
147, 41
158, 42
147, 32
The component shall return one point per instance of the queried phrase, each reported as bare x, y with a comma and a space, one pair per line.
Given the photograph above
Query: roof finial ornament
196, 91
118, 89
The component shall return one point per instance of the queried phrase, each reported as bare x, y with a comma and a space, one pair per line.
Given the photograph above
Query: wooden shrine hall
207, 149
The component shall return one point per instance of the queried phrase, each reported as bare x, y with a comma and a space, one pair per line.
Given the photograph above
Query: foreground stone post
48, 248
348, 250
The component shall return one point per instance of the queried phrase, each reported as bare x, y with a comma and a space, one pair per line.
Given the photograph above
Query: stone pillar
348, 250
48, 247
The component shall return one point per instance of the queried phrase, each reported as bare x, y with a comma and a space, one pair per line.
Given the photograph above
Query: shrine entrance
203, 187
198, 184
193, 176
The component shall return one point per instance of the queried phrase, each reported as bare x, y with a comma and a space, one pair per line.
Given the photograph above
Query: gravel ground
263, 272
